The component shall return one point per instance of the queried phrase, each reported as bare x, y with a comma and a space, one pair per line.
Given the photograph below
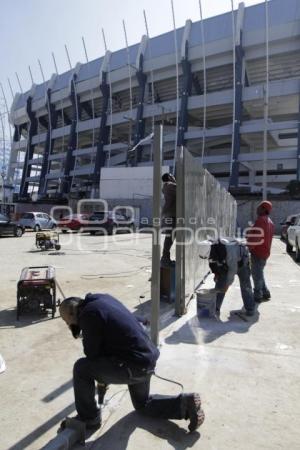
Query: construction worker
169, 217
259, 241
230, 257
118, 351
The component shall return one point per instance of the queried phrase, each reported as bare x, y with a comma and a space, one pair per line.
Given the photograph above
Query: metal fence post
180, 234
156, 232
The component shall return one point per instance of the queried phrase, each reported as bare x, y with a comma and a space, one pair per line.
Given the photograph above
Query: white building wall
127, 182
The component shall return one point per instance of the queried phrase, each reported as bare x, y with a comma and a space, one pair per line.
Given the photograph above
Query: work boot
90, 424
266, 296
191, 407
243, 313
262, 299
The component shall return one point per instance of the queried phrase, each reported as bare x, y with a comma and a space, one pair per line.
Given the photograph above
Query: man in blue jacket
118, 351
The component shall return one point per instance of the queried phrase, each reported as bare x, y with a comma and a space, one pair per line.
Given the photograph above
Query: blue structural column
29, 150
298, 148
52, 122
186, 92
237, 117
103, 132
70, 158
140, 121
234, 176
17, 133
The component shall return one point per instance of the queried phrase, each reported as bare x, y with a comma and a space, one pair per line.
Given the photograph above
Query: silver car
37, 221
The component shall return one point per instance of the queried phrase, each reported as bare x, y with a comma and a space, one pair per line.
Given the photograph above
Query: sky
33, 29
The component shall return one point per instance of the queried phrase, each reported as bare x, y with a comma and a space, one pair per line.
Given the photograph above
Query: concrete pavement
246, 372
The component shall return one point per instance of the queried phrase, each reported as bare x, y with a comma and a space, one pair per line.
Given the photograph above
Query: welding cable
157, 376
60, 289
169, 381
106, 402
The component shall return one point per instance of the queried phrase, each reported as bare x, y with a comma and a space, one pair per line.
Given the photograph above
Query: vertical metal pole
110, 101
54, 62
156, 232
152, 77
104, 40
204, 83
68, 57
10, 88
30, 73
180, 234
10, 134
177, 83
7, 111
84, 48
234, 86
129, 69
92, 96
238, 81
130, 84
3, 149
41, 69
266, 107
19, 83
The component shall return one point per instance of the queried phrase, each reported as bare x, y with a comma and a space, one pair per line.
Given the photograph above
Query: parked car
73, 222
37, 221
110, 222
293, 238
290, 220
9, 227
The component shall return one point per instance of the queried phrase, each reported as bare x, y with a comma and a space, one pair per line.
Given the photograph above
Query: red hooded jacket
259, 237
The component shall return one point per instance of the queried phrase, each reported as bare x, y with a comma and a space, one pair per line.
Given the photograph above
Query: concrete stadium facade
99, 113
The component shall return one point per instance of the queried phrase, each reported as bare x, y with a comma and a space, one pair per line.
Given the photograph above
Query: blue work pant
245, 284
257, 271
107, 371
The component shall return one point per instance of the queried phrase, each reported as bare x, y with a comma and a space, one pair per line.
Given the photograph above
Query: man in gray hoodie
230, 257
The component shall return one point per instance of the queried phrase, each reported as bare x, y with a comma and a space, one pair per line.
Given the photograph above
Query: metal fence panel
205, 210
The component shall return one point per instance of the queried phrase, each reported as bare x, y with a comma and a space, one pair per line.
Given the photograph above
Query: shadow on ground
28, 440
166, 317
293, 258
117, 437
8, 318
198, 331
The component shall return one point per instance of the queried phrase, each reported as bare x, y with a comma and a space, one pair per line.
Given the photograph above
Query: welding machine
36, 290
47, 240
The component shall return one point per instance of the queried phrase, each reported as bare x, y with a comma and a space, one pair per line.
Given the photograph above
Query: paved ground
247, 372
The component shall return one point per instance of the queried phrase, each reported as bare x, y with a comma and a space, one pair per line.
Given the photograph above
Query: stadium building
227, 88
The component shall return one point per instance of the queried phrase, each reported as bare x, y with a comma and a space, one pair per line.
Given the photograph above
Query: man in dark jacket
169, 216
118, 351
259, 241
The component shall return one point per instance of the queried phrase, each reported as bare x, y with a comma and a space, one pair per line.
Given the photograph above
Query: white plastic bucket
206, 303
2, 364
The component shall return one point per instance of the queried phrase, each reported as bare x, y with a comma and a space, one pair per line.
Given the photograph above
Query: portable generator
36, 290
47, 240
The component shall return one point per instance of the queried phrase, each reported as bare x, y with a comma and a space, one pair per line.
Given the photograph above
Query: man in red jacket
259, 241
